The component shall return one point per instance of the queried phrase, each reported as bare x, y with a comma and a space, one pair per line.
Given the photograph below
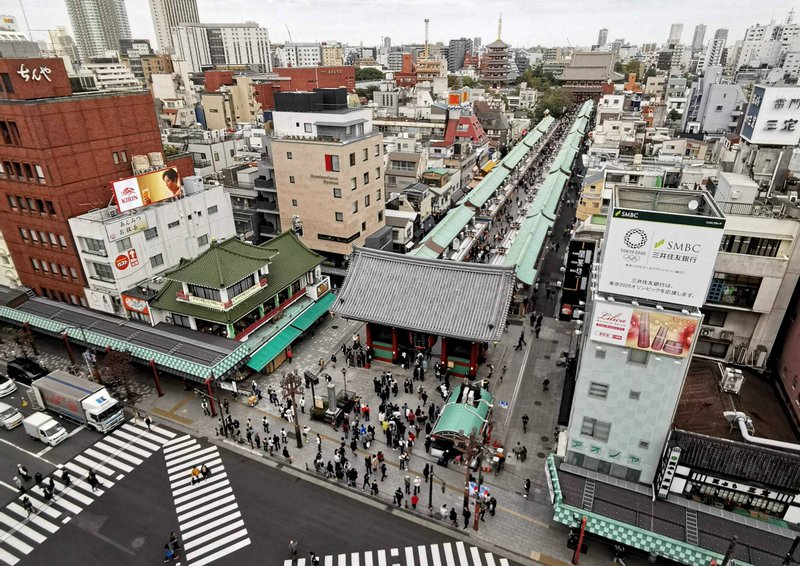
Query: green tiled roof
438, 171
526, 247
223, 264
290, 260
457, 417
487, 187
515, 156
271, 349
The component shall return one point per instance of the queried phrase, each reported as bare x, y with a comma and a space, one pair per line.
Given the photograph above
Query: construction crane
425, 52
290, 33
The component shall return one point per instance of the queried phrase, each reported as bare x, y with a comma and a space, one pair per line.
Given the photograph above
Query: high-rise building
211, 45
476, 44
765, 45
459, 48
98, 25
131, 52
675, 33
168, 14
698, 37
387, 42
713, 54
62, 44
60, 154
602, 37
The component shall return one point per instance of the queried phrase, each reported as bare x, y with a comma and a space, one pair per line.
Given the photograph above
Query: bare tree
292, 385
118, 372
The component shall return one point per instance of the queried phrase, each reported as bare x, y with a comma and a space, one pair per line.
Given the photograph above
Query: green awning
271, 349
458, 417
312, 313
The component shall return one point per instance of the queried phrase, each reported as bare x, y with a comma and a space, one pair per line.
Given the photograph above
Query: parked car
7, 386
9, 416
25, 370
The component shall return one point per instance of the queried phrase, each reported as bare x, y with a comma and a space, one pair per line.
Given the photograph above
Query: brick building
58, 153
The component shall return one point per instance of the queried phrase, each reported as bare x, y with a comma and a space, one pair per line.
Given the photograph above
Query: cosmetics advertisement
661, 332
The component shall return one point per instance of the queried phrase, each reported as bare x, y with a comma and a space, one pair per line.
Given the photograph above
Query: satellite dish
693, 204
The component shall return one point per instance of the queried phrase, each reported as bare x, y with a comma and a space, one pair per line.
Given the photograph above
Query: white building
131, 251
168, 14
764, 45
8, 272
302, 54
713, 54
110, 73
208, 45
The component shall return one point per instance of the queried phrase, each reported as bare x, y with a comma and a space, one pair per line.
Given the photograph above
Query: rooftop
223, 264
686, 203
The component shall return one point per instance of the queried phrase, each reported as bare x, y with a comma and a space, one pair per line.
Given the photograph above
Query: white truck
78, 399
45, 428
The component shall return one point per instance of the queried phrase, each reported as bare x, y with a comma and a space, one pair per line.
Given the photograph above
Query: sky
525, 22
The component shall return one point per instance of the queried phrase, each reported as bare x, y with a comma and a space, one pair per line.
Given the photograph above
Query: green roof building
242, 291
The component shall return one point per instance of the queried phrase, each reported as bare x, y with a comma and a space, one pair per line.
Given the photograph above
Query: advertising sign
125, 226
142, 190
580, 255
135, 304
772, 116
454, 99
660, 332
660, 257
127, 259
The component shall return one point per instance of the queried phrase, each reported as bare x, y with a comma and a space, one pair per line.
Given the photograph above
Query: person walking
313, 559
383, 471
527, 487
22, 471
525, 420
27, 505
417, 485
65, 477
521, 340
426, 472
407, 481
148, 421
453, 516
414, 501
466, 514
398, 497
292, 548
265, 424
174, 543
492, 505
93, 481
303, 404
19, 484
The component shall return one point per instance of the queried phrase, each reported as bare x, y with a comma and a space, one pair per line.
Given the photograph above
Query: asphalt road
131, 521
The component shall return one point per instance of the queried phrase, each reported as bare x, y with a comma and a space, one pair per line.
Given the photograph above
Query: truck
78, 399
42, 426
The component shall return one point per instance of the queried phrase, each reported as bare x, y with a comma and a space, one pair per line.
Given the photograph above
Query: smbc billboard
661, 257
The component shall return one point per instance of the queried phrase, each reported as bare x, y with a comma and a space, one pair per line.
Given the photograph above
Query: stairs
588, 495
691, 527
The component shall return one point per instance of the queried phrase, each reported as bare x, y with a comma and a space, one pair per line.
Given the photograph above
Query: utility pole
729, 553
292, 385
787, 560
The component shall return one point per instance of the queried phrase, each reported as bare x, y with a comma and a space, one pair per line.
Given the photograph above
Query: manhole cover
541, 455
138, 542
545, 439
537, 403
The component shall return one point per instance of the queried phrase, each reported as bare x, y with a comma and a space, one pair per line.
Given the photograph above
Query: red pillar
368, 331
155, 377
69, 348
394, 345
444, 352
211, 397
473, 359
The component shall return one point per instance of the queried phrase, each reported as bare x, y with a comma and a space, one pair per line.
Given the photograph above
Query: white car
7, 386
9, 417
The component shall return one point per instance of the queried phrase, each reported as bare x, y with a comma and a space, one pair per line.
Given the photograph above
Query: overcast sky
525, 22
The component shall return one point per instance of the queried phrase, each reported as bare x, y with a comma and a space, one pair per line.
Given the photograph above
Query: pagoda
495, 63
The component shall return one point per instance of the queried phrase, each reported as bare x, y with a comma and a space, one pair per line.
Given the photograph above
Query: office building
459, 48
55, 165
98, 25
168, 14
715, 49
602, 37
109, 73
62, 45
204, 46
302, 54
698, 37
675, 33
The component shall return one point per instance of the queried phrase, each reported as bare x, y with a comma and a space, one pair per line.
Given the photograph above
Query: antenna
500, 26
425, 53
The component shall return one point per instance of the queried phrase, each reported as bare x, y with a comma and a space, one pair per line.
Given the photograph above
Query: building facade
98, 25
495, 64
459, 48
211, 45
168, 14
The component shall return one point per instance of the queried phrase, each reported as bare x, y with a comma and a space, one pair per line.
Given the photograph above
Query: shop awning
489, 166
313, 313
271, 349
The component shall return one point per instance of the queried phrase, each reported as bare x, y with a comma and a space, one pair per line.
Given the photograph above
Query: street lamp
430, 491
344, 378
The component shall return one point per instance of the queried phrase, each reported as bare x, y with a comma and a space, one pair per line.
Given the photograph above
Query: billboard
660, 257
142, 190
135, 304
657, 331
772, 116
578, 270
126, 259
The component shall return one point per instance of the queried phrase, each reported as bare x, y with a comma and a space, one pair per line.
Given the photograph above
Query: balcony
265, 185
266, 206
101, 253
201, 163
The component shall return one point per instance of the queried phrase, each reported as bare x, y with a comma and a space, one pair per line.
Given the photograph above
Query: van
25, 370
9, 417
7, 386
42, 426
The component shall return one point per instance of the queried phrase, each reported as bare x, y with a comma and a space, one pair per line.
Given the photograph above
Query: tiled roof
223, 264
440, 297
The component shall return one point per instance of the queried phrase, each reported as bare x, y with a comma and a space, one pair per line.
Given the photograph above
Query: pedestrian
19, 484
204, 406
454, 517
289, 354
407, 481
523, 454
38, 478
521, 340
293, 548
546, 385
284, 436
314, 559
148, 421
23, 473
398, 496
27, 505
65, 477
414, 501
136, 417
525, 422
417, 485
527, 487
536, 330
286, 454
227, 406
265, 424
383, 471
492, 505
426, 472
466, 514
303, 404
443, 511
374, 489
305, 434
174, 543
52, 484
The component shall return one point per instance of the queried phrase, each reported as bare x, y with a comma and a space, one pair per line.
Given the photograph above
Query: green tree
469, 82
453, 82
366, 92
556, 100
368, 74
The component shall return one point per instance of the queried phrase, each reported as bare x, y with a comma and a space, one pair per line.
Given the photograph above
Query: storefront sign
125, 226
135, 304
661, 257
772, 116
122, 262
660, 332
35, 73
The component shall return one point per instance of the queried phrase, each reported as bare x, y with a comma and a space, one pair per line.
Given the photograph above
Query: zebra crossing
444, 554
111, 458
210, 523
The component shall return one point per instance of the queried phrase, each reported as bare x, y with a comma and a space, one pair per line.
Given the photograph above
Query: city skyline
548, 24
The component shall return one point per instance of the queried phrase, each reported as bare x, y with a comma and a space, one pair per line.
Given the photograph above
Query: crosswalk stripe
409, 556
174, 450
35, 519
329, 560
189, 448
381, 558
176, 443
68, 505
437, 561
301, 562
423, 556
144, 433
13, 541
205, 508
189, 488
38, 507
221, 553
189, 544
203, 500
73, 493
210, 515
355, 559
108, 459
190, 459
95, 465
21, 528
186, 476
342, 560
448, 554
136, 440
368, 558
489, 557
189, 534
462, 553
117, 453
8, 558
503, 562
476, 556
155, 428
208, 485
127, 443
214, 545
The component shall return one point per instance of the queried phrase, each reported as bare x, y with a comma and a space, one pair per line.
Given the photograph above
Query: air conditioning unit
168, 319
708, 332
726, 335
731, 380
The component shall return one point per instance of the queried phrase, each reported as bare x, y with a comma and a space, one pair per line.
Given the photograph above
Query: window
24, 234
213, 209
366, 154
157, 260
638, 356
52, 238
714, 318
718, 108
307, 127
377, 172
339, 217
73, 273
90, 245
352, 159
202, 240
600, 353
366, 200
7, 84
337, 193
734, 290
35, 238
380, 216
734, 244
216, 156
241, 286
377, 150
366, 178
12, 202
598, 430
332, 163
644, 445
288, 155
50, 208
634, 395
116, 157
378, 195
354, 207
353, 184
363, 226
102, 271
599, 390
181, 320
62, 241
291, 179
124, 156
174, 224
151, 233
123, 244
35, 264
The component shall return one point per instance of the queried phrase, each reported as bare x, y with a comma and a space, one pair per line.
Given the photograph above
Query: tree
366, 92
117, 372
673, 115
369, 74
469, 82
556, 100
453, 82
